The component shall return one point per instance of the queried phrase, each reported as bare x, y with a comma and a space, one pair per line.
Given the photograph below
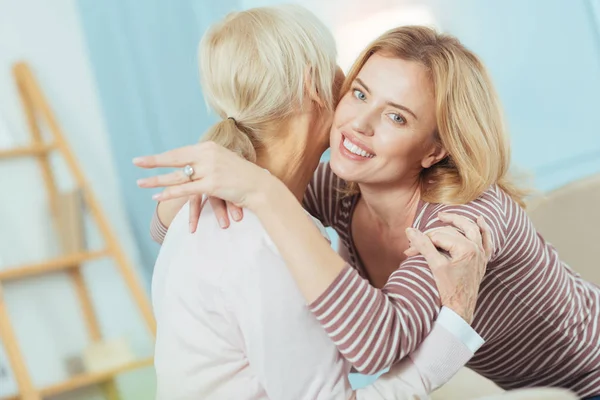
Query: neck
295, 156
393, 207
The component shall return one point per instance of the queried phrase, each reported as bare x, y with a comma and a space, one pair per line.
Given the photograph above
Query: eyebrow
408, 110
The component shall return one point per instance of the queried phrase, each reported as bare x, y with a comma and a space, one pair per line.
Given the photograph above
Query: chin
342, 168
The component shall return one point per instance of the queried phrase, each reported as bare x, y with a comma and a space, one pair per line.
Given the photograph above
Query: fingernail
223, 223
157, 196
140, 182
237, 215
137, 160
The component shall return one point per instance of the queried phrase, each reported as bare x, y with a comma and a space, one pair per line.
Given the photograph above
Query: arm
387, 324
164, 214
322, 186
158, 230
294, 358
378, 328
449, 346
167, 210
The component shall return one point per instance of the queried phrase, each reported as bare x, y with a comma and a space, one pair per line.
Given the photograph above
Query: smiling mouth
354, 149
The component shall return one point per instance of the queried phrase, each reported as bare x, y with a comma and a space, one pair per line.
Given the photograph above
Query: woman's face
383, 128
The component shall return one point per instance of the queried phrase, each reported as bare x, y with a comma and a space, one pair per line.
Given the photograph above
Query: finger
179, 157
236, 212
220, 209
423, 244
183, 190
470, 229
411, 252
486, 233
196, 205
172, 178
458, 246
449, 230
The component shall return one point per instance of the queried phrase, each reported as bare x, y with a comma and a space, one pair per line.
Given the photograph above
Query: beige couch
568, 218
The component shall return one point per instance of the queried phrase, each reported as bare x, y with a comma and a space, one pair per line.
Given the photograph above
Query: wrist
462, 310
266, 188
464, 314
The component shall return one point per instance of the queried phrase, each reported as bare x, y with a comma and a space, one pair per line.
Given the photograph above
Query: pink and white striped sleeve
448, 347
157, 230
375, 328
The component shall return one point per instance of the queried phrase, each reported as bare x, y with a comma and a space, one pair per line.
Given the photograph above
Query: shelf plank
32, 150
88, 379
51, 265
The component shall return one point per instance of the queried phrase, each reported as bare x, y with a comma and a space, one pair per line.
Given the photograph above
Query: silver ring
188, 171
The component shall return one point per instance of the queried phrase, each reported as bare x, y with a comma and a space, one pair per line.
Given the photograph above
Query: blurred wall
48, 35
544, 58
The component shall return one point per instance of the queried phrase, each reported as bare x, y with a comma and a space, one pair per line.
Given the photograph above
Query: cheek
396, 144
343, 112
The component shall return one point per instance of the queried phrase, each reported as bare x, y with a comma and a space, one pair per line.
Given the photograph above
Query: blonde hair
256, 67
470, 124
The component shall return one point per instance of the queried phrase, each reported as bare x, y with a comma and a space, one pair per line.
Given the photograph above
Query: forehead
395, 77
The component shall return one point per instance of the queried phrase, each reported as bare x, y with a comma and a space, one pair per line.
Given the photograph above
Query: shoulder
494, 205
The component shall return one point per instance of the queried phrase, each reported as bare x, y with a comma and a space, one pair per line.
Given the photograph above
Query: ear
437, 154
311, 89
340, 77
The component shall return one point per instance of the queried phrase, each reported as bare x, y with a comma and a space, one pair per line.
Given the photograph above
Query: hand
223, 209
218, 172
458, 275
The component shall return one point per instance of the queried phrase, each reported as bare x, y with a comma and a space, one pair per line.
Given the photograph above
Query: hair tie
233, 119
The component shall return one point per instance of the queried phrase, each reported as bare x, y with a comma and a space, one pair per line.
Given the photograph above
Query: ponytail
229, 134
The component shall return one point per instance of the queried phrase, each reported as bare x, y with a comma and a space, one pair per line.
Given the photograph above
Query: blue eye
397, 118
359, 95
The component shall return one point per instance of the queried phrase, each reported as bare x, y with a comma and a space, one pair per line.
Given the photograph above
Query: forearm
162, 218
168, 209
448, 347
309, 257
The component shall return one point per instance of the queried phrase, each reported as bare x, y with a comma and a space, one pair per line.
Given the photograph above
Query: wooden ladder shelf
36, 106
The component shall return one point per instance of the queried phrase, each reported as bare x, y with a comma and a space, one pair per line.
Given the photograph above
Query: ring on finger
188, 171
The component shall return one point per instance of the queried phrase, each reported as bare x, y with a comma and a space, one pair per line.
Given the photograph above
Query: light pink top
231, 324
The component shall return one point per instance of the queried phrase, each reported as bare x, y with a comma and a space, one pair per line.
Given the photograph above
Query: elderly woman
418, 133
231, 322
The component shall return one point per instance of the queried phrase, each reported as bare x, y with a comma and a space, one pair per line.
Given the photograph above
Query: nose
362, 124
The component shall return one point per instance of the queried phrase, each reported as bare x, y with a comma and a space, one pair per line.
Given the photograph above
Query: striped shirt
539, 318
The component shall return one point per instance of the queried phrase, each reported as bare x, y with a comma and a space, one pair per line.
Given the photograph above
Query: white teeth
354, 149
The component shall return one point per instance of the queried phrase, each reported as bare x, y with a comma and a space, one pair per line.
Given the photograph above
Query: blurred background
121, 79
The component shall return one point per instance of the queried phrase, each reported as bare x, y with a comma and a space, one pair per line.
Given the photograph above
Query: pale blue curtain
144, 57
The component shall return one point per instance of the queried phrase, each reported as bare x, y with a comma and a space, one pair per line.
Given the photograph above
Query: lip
356, 142
351, 155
